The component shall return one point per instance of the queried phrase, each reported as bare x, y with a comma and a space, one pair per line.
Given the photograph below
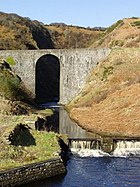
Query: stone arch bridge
75, 65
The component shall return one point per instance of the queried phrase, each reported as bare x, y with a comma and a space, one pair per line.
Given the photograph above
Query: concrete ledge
32, 172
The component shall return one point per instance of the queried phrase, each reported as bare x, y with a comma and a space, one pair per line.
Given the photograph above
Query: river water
93, 167
96, 172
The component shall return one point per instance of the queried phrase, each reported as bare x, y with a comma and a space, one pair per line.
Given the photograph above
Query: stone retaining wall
75, 66
32, 172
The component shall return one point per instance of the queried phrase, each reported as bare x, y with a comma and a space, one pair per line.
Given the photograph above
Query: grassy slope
124, 33
110, 102
11, 93
65, 36
13, 156
17, 32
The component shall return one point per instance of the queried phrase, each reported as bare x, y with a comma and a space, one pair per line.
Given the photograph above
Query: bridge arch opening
47, 79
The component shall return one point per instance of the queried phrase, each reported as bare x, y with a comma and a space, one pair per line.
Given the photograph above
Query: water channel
89, 166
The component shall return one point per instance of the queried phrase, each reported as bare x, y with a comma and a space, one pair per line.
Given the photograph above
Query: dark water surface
96, 172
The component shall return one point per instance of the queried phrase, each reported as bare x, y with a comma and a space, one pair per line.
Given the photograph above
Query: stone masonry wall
32, 172
75, 65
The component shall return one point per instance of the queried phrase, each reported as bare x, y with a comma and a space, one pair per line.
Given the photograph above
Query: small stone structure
32, 172
75, 66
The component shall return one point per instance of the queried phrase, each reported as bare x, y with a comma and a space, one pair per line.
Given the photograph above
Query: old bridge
59, 73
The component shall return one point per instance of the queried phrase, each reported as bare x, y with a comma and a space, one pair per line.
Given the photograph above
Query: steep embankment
17, 32
110, 102
13, 94
67, 36
124, 33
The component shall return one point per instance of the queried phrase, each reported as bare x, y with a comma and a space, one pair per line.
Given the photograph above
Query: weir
81, 140
91, 144
84, 144
129, 147
128, 144
89, 147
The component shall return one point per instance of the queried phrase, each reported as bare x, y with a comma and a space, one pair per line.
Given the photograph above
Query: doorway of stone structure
47, 79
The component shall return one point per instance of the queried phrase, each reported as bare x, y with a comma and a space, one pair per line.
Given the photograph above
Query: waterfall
127, 148
92, 148
84, 144
86, 148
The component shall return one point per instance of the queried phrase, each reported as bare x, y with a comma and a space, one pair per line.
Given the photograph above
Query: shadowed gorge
47, 79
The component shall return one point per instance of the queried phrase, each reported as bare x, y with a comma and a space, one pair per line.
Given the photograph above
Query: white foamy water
127, 148
123, 149
126, 152
84, 144
89, 152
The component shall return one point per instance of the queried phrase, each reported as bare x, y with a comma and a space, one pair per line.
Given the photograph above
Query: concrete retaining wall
32, 172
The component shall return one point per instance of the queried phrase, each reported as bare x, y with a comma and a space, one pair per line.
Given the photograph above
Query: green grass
109, 30
106, 72
45, 143
112, 27
136, 24
9, 86
13, 156
11, 61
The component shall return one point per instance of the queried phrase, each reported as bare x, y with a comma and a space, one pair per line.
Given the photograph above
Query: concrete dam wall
75, 65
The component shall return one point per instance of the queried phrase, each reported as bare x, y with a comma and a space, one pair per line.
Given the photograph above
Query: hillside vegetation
67, 36
14, 97
27, 145
124, 33
20, 143
17, 32
110, 102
